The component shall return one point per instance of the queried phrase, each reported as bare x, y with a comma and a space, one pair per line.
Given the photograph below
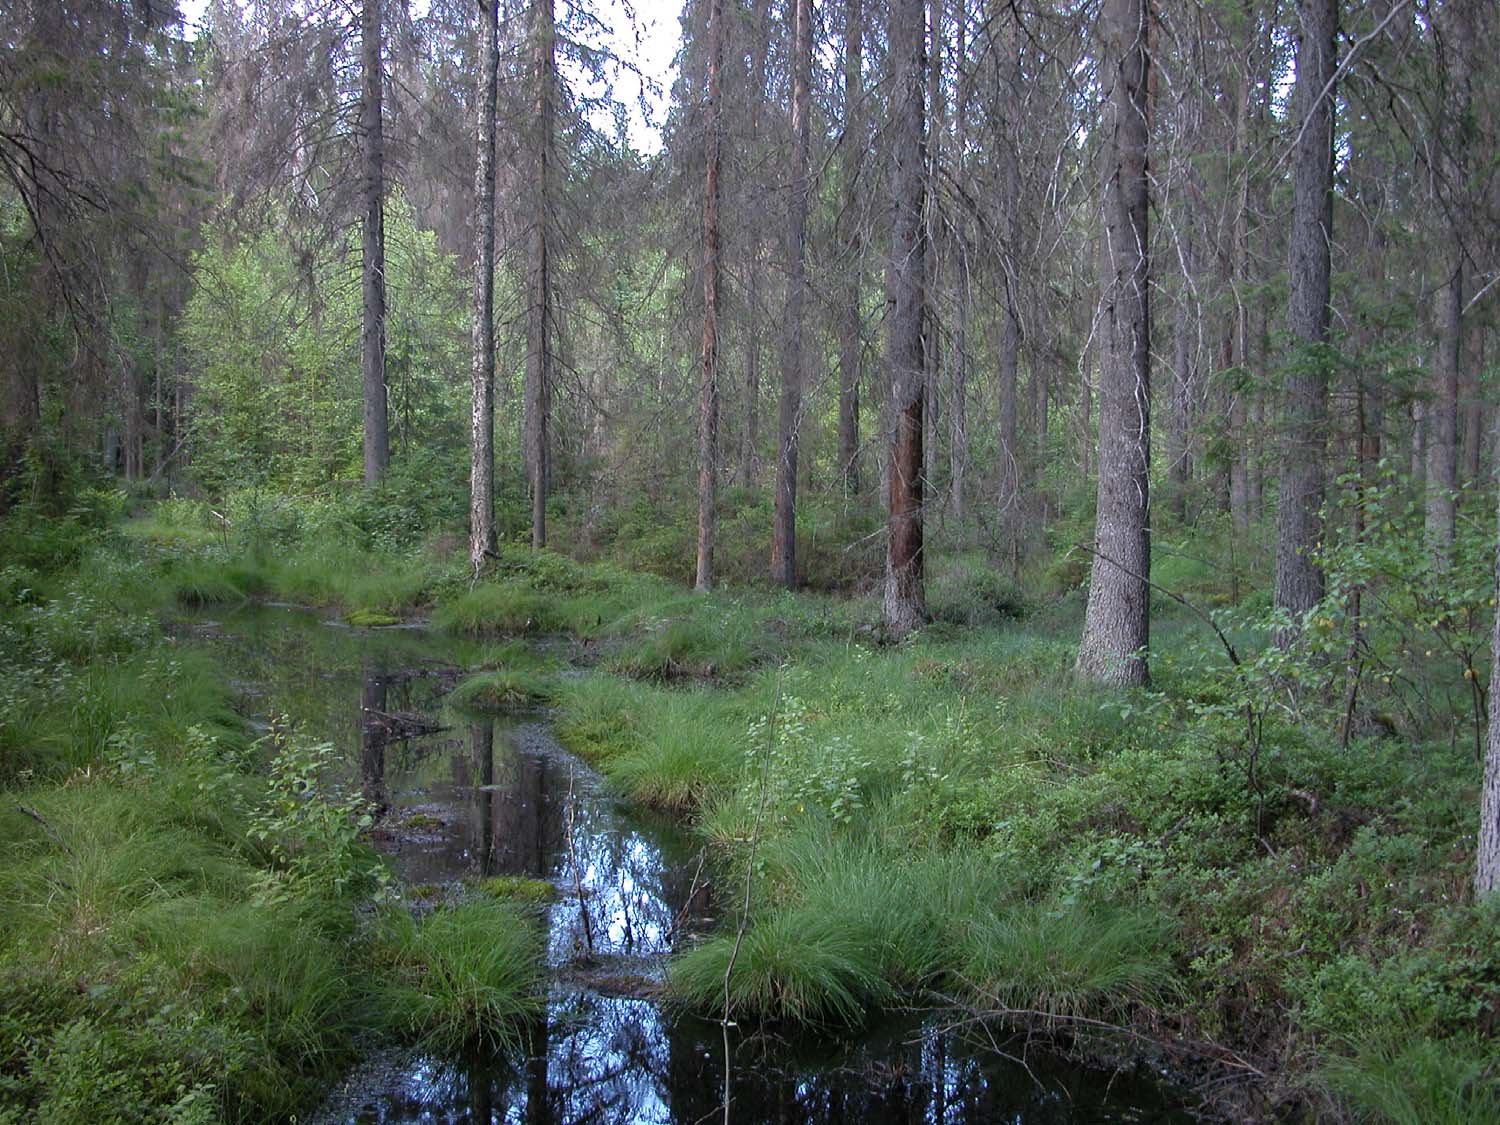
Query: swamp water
470, 798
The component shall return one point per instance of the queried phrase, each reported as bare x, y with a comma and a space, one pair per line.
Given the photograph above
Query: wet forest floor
198, 926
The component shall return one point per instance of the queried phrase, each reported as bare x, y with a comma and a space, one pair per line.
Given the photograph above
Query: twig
47, 828
583, 906
739, 936
1234, 657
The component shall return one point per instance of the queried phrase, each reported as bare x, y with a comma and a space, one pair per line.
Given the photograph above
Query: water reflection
501, 797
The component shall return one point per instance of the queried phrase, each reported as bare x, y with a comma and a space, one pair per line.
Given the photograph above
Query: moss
370, 618
518, 888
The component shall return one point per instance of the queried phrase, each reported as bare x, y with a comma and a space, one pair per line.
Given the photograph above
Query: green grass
1416, 1080
461, 974
491, 608
502, 690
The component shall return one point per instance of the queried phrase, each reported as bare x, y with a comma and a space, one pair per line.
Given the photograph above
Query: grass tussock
460, 974
505, 689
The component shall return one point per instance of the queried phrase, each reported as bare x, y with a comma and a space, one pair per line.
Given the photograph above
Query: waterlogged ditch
469, 799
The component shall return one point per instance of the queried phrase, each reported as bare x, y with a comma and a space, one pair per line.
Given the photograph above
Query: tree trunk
1487, 871
372, 331
1117, 621
905, 607
1473, 408
482, 329
1299, 522
539, 277
708, 403
789, 416
851, 322
1009, 451
1442, 419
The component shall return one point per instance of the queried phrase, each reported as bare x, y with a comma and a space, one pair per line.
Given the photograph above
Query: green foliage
498, 691
278, 391
460, 974
1419, 1081
311, 829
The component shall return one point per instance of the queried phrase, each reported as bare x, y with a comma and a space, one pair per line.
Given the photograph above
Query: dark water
470, 798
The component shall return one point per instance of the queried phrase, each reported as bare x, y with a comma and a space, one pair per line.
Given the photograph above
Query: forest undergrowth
1236, 872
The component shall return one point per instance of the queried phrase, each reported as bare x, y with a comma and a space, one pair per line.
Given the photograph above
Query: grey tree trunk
539, 275
708, 402
1009, 452
1117, 620
1456, 24
482, 328
905, 605
1487, 869
1473, 408
1442, 419
851, 320
789, 416
372, 330
1299, 522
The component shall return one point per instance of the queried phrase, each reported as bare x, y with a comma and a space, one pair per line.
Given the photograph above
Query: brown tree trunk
482, 328
905, 607
372, 331
708, 403
539, 276
1117, 621
1299, 523
851, 321
789, 416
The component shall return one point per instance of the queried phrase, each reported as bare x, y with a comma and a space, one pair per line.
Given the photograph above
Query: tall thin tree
789, 415
905, 606
1117, 622
539, 270
1299, 523
708, 401
851, 319
372, 331
482, 330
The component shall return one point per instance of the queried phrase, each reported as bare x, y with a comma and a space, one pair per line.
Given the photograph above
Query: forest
930, 561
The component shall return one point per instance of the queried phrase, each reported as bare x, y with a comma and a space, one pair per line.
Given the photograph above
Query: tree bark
789, 416
1487, 868
1442, 435
1442, 419
372, 332
905, 606
1117, 620
708, 402
482, 329
851, 322
1299, 522
539, 276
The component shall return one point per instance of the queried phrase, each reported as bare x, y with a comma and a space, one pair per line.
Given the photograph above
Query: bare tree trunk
1009, 451
1442, 419
958, 410
539, 276
933, 214
1473, 408
789, 417
1179, 456
905, 607
1117, 622
851, 322
760, 38
482, 329
372, 332
1299, 522
708, 404
1442, 434
1487, 868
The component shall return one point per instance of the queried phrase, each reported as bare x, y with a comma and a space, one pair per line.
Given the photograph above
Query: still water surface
468, 798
